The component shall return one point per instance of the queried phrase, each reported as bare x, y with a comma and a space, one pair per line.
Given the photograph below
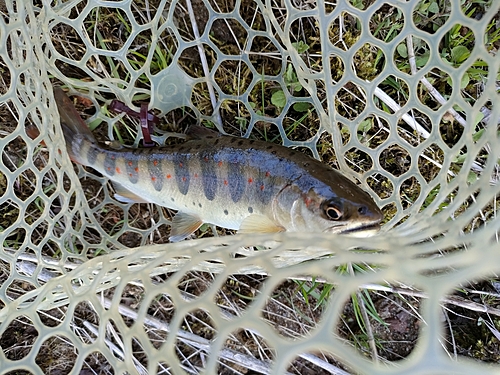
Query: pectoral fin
259, 224
126, 196
183, 225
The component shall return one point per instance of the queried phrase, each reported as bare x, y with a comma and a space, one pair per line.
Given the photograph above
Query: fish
236, 183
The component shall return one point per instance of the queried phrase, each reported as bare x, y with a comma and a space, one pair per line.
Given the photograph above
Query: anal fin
126, 196
259, 224
183, 225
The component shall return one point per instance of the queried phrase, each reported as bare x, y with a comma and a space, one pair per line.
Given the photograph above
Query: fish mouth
366, 230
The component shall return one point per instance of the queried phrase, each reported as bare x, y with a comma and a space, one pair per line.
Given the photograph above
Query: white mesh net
405, 94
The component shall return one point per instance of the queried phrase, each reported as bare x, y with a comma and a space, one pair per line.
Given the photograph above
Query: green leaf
253, 106
402, 50
301, 106
295, 86
433, 7
358, 4
423, 8
464, 81
460, 159
365, 126
422, 60
300, 46
478, 118
480, 64
290, 74
94, 124
279, 99
471, 178
459, 54
477, 135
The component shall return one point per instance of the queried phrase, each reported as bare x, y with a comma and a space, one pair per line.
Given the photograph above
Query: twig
29, 267
194, 340
115, 349
436, 95
406, 117
204, 62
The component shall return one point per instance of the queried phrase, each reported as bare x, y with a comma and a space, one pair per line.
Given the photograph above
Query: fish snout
369, 213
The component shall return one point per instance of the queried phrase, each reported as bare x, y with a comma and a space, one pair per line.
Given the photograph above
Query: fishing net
398, 95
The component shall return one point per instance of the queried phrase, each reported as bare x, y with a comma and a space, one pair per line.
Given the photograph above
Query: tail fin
74, 128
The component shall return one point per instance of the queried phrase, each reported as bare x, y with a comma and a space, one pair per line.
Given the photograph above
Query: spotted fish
235, 183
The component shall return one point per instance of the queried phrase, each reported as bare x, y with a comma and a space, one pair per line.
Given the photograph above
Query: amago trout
235, 183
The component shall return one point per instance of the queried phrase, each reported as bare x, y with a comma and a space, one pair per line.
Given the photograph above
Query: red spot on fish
250, 180
268, 174
130, 163
184, 179
153, 178
155, 162
220, 164
180, 165
136, 169
225, 182
118, 170
130, 174
169, 176
205, 158
109, 168
196, 175
262, 187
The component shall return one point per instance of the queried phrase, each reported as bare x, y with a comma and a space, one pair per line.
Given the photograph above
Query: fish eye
332, 210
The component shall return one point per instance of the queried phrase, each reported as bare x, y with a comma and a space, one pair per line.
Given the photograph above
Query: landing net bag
401, 96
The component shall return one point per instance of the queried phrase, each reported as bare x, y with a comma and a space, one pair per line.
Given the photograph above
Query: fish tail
74, 143
76, 132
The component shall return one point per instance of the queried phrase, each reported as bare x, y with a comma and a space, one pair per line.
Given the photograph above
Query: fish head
347, 209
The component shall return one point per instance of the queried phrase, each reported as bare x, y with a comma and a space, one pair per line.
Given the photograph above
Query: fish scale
235, 183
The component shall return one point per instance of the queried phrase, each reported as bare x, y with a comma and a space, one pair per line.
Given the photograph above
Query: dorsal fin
200, 132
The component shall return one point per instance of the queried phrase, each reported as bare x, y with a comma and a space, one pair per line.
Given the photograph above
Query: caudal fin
74, 128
